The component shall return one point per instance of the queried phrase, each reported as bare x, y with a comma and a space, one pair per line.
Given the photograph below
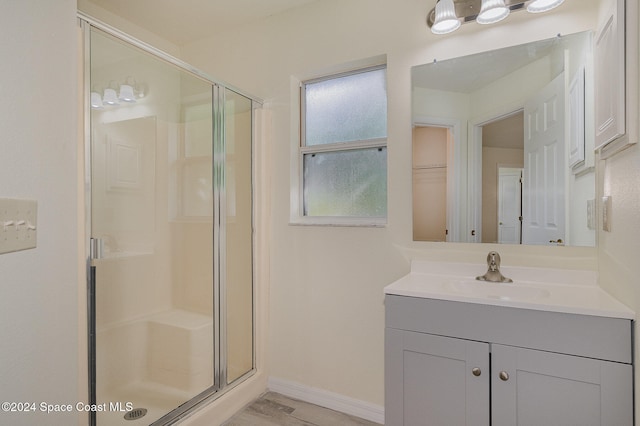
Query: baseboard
323, 398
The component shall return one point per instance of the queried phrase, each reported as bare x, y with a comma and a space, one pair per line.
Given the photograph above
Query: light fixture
492, 11
446, 20
448, 15
537, 6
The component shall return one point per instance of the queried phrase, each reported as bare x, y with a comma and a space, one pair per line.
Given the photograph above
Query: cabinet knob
504, 376
476, 371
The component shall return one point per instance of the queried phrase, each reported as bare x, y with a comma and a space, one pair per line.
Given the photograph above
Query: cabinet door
542, 388
430, 380
610, 86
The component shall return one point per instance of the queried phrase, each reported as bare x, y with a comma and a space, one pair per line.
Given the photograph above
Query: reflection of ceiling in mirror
470, 73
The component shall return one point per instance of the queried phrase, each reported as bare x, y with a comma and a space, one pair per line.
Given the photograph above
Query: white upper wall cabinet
616, 79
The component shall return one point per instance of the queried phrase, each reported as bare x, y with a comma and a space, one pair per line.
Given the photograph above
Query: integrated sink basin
553, 290
500, 291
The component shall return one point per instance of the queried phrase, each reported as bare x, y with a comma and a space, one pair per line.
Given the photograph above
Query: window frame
298, 216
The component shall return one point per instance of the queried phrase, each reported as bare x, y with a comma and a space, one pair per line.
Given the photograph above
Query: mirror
503, 145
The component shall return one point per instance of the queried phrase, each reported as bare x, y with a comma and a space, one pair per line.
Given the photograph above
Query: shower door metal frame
219, 258
218, 88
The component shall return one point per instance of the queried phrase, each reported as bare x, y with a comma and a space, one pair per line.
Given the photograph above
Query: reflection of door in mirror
502, 146
430, 146
509, 205
544, 170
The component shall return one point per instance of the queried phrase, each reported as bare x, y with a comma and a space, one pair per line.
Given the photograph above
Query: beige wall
39, 327
326, 311
128, 27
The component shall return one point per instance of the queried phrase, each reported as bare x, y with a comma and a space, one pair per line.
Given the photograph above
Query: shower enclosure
169, 211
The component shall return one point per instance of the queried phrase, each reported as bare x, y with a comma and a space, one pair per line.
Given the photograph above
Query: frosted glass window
343, 146
346, 108
346, 183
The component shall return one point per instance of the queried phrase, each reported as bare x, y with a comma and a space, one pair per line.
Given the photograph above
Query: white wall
39, 325
619, 269
326, 312
618, 250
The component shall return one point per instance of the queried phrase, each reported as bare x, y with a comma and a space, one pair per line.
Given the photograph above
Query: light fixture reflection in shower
446, 20
538, 6
110, 97
492, 11
117, 94
96, 101
126, 93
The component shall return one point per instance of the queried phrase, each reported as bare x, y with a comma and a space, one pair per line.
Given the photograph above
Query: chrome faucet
493, 272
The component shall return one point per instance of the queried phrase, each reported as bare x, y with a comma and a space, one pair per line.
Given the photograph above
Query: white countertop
553, 290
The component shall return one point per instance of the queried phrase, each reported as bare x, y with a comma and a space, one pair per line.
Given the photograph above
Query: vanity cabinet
453, 363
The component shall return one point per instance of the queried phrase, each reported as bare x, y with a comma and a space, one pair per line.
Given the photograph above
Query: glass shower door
153, 225
237, 238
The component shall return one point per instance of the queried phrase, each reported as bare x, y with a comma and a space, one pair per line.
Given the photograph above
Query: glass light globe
492, 11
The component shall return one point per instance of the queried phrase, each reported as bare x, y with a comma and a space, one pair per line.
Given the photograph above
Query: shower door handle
96, 248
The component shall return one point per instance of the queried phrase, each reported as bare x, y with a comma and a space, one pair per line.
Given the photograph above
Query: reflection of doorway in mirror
502, 146
430, 154
509, 205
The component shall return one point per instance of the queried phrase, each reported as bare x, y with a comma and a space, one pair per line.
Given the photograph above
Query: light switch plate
18, 224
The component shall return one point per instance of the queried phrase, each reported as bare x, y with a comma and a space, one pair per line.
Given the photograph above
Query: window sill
365, 222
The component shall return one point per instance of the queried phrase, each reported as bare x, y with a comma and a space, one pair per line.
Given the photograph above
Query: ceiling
185, 21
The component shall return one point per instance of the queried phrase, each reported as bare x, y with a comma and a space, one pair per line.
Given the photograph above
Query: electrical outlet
18, 224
